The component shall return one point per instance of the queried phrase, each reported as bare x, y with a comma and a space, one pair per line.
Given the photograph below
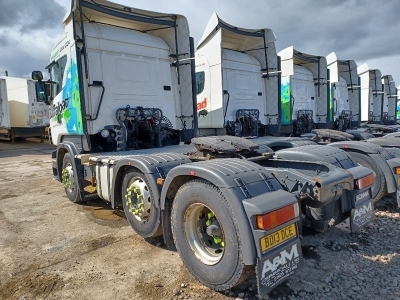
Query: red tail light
277, 217
365, 181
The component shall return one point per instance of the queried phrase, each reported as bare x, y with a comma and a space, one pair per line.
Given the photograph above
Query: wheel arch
153, 167
68, 147
213, 173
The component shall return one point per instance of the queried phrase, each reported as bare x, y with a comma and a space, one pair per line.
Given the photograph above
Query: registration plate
278, 237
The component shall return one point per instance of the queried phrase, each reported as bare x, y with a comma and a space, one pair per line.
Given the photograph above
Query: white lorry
371, 94
345, 92
306, 78
23, 112
235, 96
389, 111
124, 117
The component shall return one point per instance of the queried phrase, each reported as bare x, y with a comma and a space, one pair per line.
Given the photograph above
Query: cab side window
57, 75
200, 80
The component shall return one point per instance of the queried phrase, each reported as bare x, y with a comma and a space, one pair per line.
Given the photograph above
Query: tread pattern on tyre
155, 230
243, 271
77, 198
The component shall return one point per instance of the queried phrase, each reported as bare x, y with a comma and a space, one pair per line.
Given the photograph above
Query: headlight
104, 133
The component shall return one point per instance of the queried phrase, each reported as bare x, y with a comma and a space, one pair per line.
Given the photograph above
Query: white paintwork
24, 110
371, 93
4, 110
219, 55
133, 66
290, 64
303, 92
390, 96
341, 97
344, 76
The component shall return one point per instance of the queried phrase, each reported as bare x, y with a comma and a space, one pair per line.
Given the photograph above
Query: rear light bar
365, 181
277, 217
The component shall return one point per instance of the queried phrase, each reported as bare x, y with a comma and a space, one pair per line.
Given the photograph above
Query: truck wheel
379, 188
207, 237
139, 204
69, 180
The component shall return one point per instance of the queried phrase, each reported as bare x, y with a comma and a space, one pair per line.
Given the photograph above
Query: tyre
207, 237
69, 180
139, 204
379, 188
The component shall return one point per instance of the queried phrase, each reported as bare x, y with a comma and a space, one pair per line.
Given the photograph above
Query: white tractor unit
345, 92
124, 117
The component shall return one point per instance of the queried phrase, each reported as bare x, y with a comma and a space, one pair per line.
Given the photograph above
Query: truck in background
345, 92
24, 113
5, 123
237, 95
389, 111
124, 117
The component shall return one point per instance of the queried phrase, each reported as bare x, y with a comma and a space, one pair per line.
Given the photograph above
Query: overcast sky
362, 30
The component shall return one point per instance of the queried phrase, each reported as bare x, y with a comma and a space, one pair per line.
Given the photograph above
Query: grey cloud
17, 64
354, 29
30, 15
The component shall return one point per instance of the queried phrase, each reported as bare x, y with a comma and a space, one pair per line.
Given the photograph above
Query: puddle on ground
4, 197
102, 210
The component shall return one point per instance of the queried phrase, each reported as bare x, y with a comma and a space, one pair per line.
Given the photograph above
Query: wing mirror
37, 75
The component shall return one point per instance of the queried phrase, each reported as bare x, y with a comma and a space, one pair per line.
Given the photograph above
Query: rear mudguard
277, 143
334, 156
383, 158
248, 187
385, 142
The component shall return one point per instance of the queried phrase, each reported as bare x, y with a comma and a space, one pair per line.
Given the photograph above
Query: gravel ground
53, 249
341, 265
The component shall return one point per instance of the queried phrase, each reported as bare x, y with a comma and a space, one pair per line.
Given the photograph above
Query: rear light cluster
364, 182
397, 170
277, 217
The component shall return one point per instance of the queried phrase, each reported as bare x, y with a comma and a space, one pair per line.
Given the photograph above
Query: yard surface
51, 248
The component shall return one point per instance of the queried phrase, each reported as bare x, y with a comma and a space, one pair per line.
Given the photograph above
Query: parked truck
124, 119
236, 96
4, 110
389, 111
24, 113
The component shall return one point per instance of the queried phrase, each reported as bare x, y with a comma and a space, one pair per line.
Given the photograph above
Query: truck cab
345, 92
115, 88
371, 94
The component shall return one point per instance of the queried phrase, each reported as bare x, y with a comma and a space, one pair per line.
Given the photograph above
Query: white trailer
4, 109
28, 115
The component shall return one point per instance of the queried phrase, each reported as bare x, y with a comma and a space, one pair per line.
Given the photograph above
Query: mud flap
363, 213
278, 266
